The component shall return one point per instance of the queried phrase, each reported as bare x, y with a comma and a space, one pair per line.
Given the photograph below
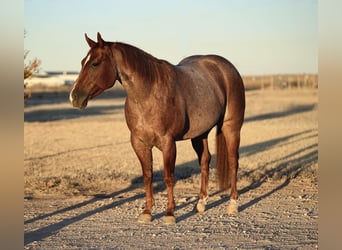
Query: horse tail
222, 164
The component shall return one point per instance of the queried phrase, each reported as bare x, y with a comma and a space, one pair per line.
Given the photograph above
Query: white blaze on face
87, 59
71, 98
70, 95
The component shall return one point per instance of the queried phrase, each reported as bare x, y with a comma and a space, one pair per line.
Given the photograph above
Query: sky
257, 36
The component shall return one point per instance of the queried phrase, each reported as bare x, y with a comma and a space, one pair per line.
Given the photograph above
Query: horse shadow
47, 115
296, 109
62, 97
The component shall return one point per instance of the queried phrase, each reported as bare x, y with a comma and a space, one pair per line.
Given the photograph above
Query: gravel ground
83, 185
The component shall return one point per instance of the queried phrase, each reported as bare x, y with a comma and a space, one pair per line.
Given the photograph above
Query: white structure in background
52, 78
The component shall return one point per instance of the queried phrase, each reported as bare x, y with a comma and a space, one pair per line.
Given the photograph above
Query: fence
281, 81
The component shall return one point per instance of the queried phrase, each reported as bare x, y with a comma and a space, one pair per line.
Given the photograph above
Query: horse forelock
146, 66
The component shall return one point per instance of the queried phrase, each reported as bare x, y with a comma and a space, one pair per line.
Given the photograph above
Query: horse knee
147, 175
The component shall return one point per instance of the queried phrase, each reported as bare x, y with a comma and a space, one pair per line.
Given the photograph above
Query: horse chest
150, 123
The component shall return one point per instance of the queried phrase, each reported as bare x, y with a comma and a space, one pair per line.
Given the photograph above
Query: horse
166, 103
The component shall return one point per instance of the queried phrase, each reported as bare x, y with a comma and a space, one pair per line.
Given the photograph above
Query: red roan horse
166, 103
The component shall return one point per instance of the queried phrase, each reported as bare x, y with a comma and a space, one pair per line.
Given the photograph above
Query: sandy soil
83, 185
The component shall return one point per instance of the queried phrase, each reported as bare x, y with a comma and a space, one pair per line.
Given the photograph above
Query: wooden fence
281, 81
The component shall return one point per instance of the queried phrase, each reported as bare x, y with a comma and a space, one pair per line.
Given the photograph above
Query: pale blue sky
259, 37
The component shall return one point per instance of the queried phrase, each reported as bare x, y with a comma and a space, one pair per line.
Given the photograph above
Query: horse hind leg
200, 145
232, 138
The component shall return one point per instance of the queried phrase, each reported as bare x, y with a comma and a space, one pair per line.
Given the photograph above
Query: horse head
97, 74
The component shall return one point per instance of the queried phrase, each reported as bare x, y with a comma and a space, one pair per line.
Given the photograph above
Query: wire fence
281, 81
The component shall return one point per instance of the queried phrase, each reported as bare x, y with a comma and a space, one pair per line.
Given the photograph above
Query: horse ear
99, 39
90, 42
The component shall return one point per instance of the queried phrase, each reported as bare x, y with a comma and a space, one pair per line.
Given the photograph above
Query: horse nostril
74, 96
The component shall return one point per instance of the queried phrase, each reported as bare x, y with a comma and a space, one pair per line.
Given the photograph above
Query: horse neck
138, 71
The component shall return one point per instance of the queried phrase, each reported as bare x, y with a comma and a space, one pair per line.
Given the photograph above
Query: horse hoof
232, 207
200, 207
169, 220
145, 218
201, 204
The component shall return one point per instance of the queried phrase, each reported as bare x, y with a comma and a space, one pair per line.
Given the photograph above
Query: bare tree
29, 69
32, 67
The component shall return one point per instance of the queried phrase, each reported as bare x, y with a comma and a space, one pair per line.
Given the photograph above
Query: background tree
29, 69
32, 67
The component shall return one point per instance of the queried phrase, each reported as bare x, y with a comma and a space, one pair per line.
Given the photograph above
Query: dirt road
83, 185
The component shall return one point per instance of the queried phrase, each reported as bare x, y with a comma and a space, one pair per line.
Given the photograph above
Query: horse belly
201, 122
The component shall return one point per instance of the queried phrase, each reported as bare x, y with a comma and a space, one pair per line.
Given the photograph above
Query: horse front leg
169, 157
144, 154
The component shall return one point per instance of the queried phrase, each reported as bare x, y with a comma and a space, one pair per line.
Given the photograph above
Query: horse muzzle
78, 100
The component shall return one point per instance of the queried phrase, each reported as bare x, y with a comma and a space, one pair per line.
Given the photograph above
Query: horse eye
95, 64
